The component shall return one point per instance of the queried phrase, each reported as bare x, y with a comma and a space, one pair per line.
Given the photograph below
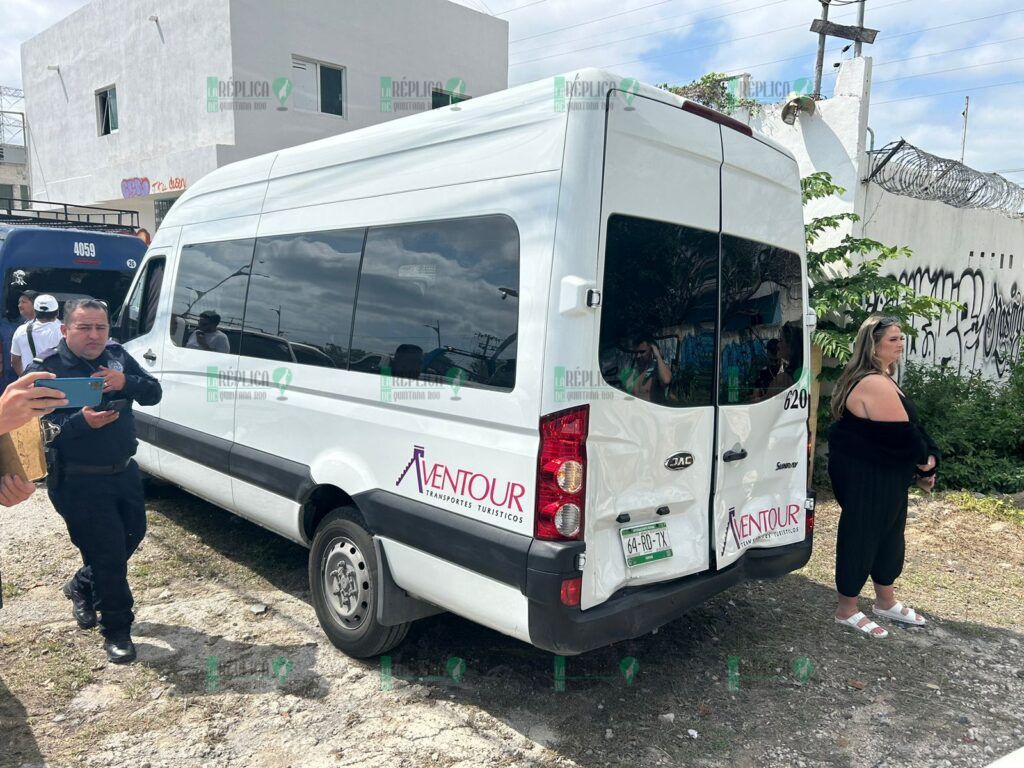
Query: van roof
530, 104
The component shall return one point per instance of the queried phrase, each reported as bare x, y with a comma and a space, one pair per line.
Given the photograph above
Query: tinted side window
762, 321
658, 311
300, 298
140, 309
211, 282
441, 298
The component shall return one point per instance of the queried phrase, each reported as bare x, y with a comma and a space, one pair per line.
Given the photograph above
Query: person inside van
36, 337
206, 336
25, 305
407, 362
647, 375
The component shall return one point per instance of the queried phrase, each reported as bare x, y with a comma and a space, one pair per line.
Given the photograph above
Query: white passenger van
537, 359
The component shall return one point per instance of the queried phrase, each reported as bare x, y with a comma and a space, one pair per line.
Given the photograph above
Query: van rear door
651, 441
761, 482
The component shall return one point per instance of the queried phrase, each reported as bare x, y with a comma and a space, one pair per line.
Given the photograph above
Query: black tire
346, 600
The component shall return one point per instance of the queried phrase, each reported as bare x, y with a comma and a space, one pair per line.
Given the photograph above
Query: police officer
93, 482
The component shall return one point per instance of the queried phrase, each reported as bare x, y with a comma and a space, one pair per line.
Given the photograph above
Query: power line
1009, 170
952, 69
594, 21
731, 40
945, 93
617, 30
524, 5
951, 50
648, 34
892, 37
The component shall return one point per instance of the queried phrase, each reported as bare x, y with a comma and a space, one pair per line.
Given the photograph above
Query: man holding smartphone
93, 482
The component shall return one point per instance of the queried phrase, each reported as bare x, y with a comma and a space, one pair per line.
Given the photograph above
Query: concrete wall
971, 256
159, 70
169, 137
432, 40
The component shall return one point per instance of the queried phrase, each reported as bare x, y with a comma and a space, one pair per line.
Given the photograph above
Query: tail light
571, 591
562, 475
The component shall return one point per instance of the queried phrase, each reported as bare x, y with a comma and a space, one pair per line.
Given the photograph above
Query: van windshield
106, 285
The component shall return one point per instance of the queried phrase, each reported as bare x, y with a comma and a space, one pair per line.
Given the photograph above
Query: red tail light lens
571, 591
561, 475
809, 526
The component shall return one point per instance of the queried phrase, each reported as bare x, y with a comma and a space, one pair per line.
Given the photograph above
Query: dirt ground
234, 670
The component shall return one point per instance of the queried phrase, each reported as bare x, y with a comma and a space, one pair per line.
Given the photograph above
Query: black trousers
106, 517
870, 540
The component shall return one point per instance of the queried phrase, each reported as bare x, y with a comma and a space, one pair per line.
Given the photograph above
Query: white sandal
896, 614
868, 629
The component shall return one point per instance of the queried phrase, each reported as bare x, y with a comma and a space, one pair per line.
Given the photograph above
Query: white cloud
23, 20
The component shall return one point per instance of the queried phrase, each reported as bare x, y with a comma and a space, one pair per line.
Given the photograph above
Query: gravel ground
234, 670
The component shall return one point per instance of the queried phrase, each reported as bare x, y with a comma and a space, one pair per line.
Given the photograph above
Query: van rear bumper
634, 612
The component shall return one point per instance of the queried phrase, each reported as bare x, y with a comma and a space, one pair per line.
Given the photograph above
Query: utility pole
963, 140
820, 61
825, 28
860, 23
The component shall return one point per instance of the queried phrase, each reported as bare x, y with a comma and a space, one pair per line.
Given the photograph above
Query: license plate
645, 543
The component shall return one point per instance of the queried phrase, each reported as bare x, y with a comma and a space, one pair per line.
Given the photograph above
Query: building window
106, 110
444, 98
318, 87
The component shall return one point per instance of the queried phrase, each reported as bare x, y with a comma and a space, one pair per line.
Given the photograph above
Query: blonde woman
877, 449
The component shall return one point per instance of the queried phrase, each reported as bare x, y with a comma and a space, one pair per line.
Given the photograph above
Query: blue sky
924, 47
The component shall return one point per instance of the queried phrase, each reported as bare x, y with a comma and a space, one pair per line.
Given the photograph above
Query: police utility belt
59, 467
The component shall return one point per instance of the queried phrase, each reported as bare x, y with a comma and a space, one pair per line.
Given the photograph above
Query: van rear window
659, 310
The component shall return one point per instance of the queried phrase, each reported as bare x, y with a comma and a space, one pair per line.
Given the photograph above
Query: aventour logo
465, 487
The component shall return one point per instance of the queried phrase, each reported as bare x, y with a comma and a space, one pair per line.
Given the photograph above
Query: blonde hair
863, 362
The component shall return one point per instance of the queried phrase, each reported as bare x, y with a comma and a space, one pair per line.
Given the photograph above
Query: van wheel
343, 579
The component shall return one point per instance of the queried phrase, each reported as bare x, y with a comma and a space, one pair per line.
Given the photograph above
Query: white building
969, 254
128, 102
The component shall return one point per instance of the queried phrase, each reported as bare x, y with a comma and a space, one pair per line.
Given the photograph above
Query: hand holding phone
99, 419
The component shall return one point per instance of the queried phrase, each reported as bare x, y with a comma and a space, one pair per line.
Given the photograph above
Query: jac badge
680, 460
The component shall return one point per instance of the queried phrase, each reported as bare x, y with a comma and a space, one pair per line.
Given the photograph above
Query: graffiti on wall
985, 336
140, 186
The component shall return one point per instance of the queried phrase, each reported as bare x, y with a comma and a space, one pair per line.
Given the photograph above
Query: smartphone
117, 405
80, 392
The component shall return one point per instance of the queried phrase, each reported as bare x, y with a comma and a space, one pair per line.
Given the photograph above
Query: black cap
210, 315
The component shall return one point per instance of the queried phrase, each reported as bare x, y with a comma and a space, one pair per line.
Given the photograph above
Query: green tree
714, 90
843, 292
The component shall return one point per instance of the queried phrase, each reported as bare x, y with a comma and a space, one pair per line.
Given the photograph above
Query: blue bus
65, 263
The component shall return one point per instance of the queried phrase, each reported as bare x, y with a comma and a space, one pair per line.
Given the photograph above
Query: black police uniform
94, 484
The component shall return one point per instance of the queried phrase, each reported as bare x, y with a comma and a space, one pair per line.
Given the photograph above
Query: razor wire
903, 169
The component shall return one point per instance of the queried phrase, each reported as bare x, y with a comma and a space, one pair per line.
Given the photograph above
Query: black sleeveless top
883, 442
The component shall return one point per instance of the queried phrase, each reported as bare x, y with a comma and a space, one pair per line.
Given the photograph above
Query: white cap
45, 303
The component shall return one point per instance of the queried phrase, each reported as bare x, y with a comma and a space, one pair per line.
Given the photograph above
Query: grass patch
999, 507
11, 590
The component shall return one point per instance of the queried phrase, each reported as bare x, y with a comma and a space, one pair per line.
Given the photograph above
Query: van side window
210, 290
762, 321
439, 301
658, 312
140, 309
299, 307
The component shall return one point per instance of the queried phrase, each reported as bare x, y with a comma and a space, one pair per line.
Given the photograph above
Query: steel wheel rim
346, 582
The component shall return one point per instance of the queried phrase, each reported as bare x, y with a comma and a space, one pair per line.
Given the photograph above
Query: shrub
978, 425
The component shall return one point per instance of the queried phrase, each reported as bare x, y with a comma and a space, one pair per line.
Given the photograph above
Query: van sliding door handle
150, 356
735, 455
